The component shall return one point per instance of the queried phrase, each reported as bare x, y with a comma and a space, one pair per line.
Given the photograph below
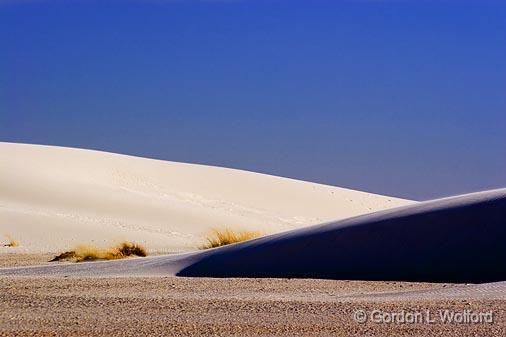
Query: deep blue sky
405, 98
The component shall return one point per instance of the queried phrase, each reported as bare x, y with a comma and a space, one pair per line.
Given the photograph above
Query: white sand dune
457, 239
53, 198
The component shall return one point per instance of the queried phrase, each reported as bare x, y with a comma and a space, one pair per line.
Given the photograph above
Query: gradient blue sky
405, 98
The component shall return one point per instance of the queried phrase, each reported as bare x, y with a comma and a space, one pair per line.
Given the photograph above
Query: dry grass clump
92, 253
227, 236
12, 242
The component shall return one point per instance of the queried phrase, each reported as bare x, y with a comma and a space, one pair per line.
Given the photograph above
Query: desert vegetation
224, 237
92, 253
11, 241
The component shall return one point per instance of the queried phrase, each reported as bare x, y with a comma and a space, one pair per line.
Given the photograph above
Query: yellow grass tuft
92, 253
12, 242
227, 236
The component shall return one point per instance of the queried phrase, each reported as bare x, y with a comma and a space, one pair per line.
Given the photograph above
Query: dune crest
54, 198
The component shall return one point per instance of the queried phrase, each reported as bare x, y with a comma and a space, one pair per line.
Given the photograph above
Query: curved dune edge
457, 239
54, 198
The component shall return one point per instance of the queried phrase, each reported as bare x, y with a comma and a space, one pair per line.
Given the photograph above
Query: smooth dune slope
457, 239
53, 198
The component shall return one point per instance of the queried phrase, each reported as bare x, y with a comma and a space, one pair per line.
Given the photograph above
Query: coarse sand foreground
176, 306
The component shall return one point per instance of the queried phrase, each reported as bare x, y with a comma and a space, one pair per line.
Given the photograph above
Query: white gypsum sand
54, 198
457, 239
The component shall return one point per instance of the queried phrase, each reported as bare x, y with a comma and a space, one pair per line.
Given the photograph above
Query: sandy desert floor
52, 199
176, 306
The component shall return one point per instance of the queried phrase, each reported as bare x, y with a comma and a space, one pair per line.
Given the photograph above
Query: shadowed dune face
460, 239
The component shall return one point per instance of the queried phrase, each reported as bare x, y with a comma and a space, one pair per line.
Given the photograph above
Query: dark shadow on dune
460, 239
